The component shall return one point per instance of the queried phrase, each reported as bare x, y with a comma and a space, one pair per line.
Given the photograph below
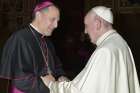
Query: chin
93, 41
48, 34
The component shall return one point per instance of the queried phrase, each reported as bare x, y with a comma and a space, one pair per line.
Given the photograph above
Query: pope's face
49, 20
91, 27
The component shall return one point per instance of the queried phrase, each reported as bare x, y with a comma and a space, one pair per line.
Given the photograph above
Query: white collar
35, 28
104, 36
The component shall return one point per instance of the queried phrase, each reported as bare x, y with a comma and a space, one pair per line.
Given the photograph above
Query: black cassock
22, 61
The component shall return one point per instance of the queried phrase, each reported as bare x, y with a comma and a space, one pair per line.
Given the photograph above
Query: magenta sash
13, 89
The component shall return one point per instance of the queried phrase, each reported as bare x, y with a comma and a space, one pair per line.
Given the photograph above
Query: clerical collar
36, 30
104, 36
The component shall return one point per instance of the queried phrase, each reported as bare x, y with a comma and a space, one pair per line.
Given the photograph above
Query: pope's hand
63, 78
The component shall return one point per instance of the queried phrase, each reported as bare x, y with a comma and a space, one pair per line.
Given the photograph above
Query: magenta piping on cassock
13, 89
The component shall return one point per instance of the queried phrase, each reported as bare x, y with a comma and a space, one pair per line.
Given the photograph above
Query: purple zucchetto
42, 5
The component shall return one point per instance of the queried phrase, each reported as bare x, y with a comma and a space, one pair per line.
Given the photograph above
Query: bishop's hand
47, 79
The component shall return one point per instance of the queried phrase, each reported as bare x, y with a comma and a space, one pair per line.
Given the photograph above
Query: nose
55, 24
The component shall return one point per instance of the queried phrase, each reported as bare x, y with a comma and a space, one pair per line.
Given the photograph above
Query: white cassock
110, 69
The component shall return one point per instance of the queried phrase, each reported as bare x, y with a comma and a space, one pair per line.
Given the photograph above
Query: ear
98, 24
38, 14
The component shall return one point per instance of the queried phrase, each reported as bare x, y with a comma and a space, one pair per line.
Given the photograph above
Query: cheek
92, 32
49, 23
90, 29
44, 23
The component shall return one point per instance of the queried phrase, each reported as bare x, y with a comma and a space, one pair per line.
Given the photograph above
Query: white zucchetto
104, 13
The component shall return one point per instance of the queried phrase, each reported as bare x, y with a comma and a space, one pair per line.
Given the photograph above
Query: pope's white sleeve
63, 87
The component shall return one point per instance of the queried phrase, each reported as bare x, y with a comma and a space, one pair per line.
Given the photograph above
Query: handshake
48, 79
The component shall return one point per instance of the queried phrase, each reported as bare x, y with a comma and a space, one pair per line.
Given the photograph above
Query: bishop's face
49, 20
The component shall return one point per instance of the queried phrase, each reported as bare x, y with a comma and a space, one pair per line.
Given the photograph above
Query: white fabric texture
110, 69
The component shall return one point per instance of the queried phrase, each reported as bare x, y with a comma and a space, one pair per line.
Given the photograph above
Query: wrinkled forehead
89, 17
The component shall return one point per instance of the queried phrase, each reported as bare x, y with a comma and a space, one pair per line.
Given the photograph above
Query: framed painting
129, 6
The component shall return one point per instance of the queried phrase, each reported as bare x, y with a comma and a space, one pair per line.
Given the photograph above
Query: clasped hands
48, 79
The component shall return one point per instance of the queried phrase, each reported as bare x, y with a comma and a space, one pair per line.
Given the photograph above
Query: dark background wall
71, 46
